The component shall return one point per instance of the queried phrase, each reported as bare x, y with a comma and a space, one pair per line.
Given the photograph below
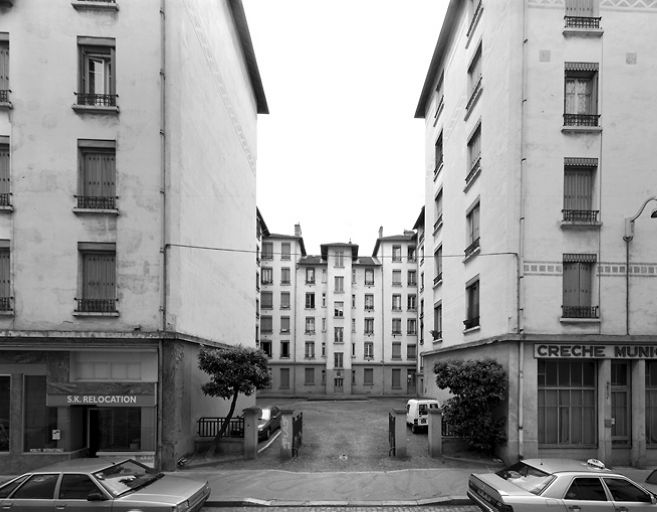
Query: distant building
537, 151
127, 216
339, 323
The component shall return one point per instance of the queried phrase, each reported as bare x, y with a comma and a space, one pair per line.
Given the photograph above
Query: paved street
345, 509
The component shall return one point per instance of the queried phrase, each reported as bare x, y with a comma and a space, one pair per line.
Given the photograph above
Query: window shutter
585, 271
578, 189
570, 284
5, 277
99, 276
4, 66
582, 8
4, 168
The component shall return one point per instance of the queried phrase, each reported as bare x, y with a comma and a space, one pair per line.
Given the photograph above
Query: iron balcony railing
96, 202
582, 21
438, 278
5, 198
471, 322
472, 247
475, 16
99, 100
580, 311
580, 119
96, 305
474, 169
474, 94
210, 426
439, 221
436, 335
583, 216
6, 304
4, 93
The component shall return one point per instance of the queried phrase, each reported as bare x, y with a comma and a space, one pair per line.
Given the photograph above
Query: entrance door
94, 432
621, 405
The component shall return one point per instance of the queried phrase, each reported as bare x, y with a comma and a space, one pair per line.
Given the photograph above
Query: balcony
96, 306
4, 93
438, 279
580, 219
585, 312
95, 4
587, 22
6, 304
475, 169
5, 200
586, 123
471, 322
96, 203
97, 100
472, 249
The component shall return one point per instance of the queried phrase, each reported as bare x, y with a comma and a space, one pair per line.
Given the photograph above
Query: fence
209, 426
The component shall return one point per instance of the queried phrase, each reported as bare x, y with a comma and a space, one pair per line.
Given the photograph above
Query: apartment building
127, 139
539, 176
339, 323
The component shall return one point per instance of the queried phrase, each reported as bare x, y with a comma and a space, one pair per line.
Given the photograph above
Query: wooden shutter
4, 66
5, 276
577, 282
99, 170
99, 276
581, 8
578, 189
4, 168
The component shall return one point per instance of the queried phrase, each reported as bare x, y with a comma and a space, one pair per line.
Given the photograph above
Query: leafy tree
478, 388
233, 370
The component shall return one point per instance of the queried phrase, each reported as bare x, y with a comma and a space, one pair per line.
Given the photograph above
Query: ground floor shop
570, 398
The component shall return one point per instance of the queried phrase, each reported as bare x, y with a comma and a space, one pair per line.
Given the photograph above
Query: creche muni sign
593, 351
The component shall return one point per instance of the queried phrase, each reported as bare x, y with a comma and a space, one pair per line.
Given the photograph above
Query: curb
446, 501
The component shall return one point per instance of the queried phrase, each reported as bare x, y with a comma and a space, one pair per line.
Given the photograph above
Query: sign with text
101, 400
594, 351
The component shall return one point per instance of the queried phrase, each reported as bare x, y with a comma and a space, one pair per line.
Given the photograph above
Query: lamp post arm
629, 221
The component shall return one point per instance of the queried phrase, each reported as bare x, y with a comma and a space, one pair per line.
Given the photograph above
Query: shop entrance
114, 429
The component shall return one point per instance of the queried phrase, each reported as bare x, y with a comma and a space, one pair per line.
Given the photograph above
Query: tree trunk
229, 416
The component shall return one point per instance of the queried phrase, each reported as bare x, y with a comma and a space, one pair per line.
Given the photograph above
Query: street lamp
628, 236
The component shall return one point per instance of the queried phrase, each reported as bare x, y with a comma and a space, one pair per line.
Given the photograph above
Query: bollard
251, 415
435, 433
400, 433
287, 431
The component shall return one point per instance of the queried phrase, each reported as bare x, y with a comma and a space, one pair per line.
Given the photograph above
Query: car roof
82, 465
565, 466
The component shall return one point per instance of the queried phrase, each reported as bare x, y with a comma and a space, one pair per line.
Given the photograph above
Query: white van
417, 412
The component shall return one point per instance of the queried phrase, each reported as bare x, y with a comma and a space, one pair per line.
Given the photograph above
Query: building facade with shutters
338, 323
117, 174
538, 240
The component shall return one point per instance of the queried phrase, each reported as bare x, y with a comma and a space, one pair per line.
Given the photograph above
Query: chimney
381, 232
297, 230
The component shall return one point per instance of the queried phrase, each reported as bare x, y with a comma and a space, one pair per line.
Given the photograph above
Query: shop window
651, 403
567, 403
620, 403
117, 429
39, 420
5, 397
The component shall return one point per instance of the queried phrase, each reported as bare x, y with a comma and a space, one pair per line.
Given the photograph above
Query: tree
479, 387
233, 370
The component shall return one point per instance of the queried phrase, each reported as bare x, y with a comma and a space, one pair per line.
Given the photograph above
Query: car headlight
181, 507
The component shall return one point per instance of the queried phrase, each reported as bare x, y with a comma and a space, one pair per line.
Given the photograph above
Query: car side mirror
95, 496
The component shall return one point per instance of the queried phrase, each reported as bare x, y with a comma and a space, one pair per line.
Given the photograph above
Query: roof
406, 237
564, 465
438, 56
353, 247
311, 260
261, 221
289, 237
237, 9
420, 220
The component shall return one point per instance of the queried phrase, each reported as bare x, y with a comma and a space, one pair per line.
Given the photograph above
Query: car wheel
413, 429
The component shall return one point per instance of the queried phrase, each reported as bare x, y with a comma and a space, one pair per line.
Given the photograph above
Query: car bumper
485, 507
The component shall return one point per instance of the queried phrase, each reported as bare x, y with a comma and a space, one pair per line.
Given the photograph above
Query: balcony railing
474, 94
472, 247
438, 278
476, 166
6, 304
4, 93
582, 21
580, 312
439, 221
98, 100
471, 322
436, 335
582, 216
475, 17
96, 202
5, 198
580, 119
96, 305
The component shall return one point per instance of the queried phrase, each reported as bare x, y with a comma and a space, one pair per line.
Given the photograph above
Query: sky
340, 152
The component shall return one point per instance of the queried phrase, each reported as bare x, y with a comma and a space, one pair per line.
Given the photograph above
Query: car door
587, 494
74, 491
626, 496
36, 494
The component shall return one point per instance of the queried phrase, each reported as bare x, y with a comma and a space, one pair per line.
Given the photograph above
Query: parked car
561, 485
111, 484
417, 412
269, 421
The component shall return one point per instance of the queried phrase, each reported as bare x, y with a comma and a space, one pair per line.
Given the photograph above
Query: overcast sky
340, 152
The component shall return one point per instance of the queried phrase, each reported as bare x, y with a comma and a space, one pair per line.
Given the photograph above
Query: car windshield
265, 414
526, 477
125, 477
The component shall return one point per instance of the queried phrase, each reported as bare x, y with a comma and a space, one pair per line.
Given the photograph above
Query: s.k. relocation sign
101, 400
593, 351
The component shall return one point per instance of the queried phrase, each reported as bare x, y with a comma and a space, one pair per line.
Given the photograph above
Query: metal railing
4, 95
580, 119
438, 278
472, 247
96, 202
210, 426
582, 21
99, 100
580, 311
6, 304
475, 93
96, 305
476, 166
5, 198
583, 216
471, 322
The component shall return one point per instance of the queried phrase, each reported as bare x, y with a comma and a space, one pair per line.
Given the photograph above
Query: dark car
116, 485
269, 421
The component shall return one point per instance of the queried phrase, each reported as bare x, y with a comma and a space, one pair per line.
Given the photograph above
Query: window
421, 281
39, 420
396, 378
582, 14
437, 332
369, 302
438, 202
474, 155
338, 360
440, 96
323, 324
581, 94
310, 276
267, 276
438, 155
620, 402
76, 487
309, 352
368, 350
310, 325
323, 299
396, 278
369, 326
411, 302
353, 377
266, 324
369, 277
412, 278
578, 190
285, 275
98, 286
339, 284
285, 378
566, 403
4, 68
396, 350
472, 305
323, 349
651, 403
577, 286
411, 352
472, 230
97, 183
586, 489
338, 334
310, 301
396, 302
309, 377
285, 349
396, 326
353, 301
368, 377
396, 253
339, 258
285, 251
97, 84
624, 490
410, 251
5, 403
323, 275
438, 265
474, 78
353, 325
266, 300
338, 309
411, 326
323, 377
38, 487
5, 189
285, 300
285, 324
265, 346
353, 276
5, 278
267, 251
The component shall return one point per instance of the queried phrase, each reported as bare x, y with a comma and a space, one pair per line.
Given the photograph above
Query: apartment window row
285, 251
267, 275
411, 302
267, 300
411, 256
